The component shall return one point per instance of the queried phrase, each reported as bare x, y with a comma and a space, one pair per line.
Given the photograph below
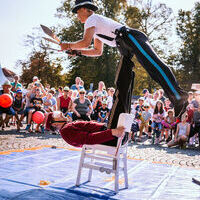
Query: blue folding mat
21, 175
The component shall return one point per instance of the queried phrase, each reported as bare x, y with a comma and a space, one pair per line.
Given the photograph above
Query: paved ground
11, 140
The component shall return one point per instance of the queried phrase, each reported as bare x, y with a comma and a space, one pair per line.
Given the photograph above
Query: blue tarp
21, 173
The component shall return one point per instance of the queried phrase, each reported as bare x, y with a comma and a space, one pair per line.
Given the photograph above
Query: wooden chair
107, 158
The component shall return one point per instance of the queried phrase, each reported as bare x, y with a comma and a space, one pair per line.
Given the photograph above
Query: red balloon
38, 117
6, 100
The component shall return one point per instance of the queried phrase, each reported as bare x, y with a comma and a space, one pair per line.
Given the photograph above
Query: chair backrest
126, 120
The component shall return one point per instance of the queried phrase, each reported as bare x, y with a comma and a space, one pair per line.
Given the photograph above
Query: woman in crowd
82, 107
64, 103
81, 132
182, 133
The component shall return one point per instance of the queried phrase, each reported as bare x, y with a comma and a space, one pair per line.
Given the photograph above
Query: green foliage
47, 71
188, 29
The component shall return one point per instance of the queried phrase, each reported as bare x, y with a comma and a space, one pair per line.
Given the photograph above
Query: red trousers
83, 132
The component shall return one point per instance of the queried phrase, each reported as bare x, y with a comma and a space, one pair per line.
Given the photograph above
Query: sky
18, 18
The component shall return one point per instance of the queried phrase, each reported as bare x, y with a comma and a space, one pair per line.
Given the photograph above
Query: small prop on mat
44, 183
195, 181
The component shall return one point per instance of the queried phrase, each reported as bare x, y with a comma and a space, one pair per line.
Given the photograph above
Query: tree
39, 64
188, 29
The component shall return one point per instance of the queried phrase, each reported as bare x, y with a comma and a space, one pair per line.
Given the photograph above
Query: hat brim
89, 6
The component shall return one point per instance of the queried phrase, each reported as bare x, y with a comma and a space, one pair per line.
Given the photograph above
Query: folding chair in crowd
107, 158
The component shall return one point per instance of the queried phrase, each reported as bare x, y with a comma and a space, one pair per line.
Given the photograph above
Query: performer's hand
65, 46
118, 132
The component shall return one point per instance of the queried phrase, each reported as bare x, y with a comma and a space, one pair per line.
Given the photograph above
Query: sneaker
28, 127
42, 129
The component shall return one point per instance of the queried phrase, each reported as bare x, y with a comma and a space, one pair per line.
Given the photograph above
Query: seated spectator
182, 133
157, 118
195, 127
8, 111
64, 103
145, 117
103, 112
82, 107
169, 124
18, 106
97, 105
167, 105
74, 94
53, 100
16, 85
47, 101
161, 95
90, 96
153, 102
36, 103
139, 108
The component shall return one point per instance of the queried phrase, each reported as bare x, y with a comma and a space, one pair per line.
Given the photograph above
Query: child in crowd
18, 106
169, 124
145, 117
182, 133
158, 116
103, 112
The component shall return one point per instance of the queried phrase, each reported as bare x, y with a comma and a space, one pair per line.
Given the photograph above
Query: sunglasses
81, 92
66, 90
146, 106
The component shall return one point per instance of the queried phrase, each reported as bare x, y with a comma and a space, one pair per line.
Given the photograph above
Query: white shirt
103, 25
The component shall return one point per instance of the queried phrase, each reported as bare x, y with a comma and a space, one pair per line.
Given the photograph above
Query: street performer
130, 42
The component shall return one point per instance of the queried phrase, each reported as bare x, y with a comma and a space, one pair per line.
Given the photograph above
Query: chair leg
80, 167
90, 170
117, 176
125, 170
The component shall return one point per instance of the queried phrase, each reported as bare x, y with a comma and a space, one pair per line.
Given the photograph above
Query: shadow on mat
72, 193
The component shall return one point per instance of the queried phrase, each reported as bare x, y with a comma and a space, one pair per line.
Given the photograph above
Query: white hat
35, 77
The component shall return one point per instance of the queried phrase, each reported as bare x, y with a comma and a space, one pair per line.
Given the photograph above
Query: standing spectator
153, 102
74, 95
34, 83
64, 103
102, 88
60, 91
76, 86
190, 96
182, 133
18, 106
16, 85
196, 100
8, 111
145, 94
82, 84
53, 99
157, 118
82, 107
111, 92
103, 112
161, 95
139, 108
145, 117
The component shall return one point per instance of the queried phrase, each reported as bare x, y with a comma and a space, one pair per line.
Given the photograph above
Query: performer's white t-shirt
103, 25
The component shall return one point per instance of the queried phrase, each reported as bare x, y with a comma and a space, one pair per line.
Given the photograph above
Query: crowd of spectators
155, 120
154, 114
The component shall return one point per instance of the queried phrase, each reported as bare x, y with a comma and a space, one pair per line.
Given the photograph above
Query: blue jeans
8, 111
